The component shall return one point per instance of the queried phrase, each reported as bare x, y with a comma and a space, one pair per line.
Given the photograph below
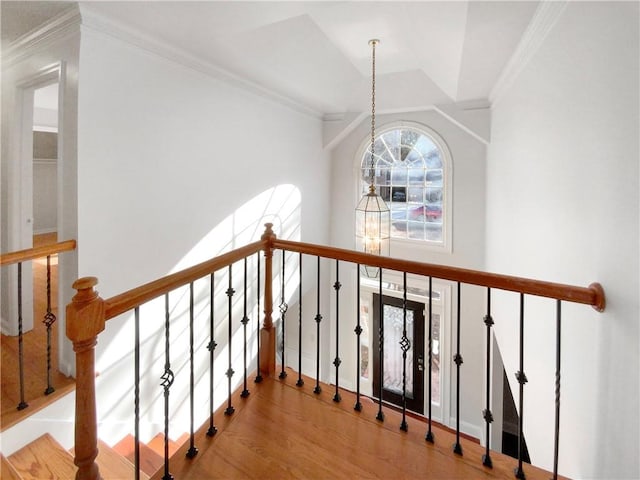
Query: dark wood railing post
268, 333
85, 320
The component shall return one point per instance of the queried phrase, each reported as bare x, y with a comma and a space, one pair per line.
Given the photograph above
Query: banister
592, 295
36, 252
125, 301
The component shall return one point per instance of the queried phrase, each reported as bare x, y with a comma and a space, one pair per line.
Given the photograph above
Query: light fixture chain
373, 108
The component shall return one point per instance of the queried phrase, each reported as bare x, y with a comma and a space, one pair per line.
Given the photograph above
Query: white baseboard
42, 231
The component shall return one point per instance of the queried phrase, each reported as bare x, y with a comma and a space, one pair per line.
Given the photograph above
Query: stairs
45, 458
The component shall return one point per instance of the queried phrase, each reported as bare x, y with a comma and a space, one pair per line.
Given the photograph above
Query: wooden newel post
85, 320
268, 333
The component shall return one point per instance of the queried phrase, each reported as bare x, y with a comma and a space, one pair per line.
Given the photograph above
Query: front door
393, 365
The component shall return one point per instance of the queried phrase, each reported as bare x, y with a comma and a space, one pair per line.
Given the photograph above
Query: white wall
174, 168
22, 65
468, 249
562, 204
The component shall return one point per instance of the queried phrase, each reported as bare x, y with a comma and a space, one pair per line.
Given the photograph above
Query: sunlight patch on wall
278, 205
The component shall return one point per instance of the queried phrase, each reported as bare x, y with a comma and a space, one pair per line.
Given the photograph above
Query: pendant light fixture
373, 218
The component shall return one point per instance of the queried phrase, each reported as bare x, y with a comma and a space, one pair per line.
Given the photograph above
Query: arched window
412, 174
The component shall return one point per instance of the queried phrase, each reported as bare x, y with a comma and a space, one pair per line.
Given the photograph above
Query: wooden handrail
592, 295
130, 299
37, 252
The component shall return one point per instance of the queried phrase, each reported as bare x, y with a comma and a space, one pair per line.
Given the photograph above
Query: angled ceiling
317, 53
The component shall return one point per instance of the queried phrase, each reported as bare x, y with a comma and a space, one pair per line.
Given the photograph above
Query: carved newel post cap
84, 287
268, 234
85, 313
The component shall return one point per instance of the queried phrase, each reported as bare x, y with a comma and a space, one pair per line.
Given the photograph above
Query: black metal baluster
318, 319
457, 448
522, 379
337, 361
22, 405
230, 292
258, 374
283, 313
167, 381
487, 415
556, 439
405, 345
380, 415
429, 436
49, 320
136, 393
211, 347
300, 381
245, 320
193, 451
358, 330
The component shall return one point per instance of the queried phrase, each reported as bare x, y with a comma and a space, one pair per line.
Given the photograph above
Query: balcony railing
87, 314
17, 260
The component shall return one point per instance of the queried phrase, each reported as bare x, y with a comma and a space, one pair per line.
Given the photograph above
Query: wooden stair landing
282, 431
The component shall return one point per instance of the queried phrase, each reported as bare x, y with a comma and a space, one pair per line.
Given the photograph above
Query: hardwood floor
35, 351
283, 432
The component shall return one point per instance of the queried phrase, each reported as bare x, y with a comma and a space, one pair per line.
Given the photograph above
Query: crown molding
120, 31
56, 28
544, 18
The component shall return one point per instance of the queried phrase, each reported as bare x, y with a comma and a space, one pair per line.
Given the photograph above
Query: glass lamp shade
373, 224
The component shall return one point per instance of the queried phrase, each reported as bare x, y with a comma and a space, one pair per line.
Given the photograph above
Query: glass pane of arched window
408, 175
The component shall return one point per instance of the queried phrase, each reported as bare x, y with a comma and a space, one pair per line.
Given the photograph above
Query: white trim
470, 429
118, 30
545, 17
49, 32
45, 161
45, 128
447, 235
42, 231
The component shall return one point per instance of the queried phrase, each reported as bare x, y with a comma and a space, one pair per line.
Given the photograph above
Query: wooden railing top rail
37, 252
592, 295
130, 299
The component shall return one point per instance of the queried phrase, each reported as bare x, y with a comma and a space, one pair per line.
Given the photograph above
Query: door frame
439, 412
20, 187
419, 308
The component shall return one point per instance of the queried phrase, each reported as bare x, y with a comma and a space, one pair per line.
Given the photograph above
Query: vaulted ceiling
317, 54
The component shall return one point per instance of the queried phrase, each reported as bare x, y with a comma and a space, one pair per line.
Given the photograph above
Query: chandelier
373, 218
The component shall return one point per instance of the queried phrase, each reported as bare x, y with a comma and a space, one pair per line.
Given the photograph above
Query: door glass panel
393, 364
435, 369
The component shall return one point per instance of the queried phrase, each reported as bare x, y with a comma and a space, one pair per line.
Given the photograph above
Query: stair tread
7, 472
114, 466
150, 461
43, 458
157, 444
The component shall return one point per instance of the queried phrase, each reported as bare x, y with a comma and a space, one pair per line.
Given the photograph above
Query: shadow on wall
208, 322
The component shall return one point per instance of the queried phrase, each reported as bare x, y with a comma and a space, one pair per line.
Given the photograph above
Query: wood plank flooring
35, 351
286, 432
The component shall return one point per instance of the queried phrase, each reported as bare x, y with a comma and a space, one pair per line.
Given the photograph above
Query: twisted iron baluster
318, 319
429, 436
136, 393
230, 292
556, 439
300, 381
283, 313
337, 361
22, 405
487, 415
258, 374
358, 331
193, 451
245, 320
49, 319
211, 347
522, 379
167, 380
380, 415
405, 345
457, 448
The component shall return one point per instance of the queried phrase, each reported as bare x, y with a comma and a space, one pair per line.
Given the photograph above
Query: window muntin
409, 173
